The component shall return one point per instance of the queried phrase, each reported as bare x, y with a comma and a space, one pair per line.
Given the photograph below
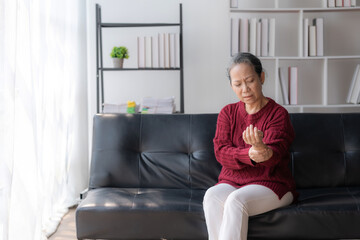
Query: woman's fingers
251, 131
244, 137
251, 135
256, 134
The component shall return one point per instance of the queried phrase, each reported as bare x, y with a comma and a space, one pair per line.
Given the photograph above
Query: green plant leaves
119, 52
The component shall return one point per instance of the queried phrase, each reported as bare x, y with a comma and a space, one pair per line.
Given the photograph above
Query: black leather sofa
149, 174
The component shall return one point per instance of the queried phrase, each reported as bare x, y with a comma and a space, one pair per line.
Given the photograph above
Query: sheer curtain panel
43, 114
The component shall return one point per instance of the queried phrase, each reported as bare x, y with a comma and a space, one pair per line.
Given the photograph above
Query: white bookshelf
323, 81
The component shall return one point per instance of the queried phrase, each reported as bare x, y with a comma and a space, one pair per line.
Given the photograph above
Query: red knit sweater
232, 152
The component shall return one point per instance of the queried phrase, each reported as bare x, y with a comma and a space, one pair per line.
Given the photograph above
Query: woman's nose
245, 87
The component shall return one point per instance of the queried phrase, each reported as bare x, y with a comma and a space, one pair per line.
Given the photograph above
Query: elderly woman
251, 143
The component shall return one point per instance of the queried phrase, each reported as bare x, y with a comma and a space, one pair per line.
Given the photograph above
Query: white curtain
43, 114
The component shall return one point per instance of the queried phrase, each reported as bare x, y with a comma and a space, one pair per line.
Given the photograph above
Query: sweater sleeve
278, 136
226, 153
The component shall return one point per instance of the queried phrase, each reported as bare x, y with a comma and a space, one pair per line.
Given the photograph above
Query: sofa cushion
327, 213
135, 213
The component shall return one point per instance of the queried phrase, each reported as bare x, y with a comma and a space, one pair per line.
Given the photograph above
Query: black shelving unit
99, 55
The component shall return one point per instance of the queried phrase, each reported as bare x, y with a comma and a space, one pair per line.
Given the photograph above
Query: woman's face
246, 84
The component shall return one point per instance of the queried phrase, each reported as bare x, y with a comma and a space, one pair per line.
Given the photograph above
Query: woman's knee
217, 194
236, 202
210, 197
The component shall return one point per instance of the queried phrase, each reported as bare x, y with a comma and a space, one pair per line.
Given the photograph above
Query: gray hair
245, 57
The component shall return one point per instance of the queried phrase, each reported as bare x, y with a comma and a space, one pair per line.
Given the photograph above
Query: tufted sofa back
176, 151
326, 150
154, 151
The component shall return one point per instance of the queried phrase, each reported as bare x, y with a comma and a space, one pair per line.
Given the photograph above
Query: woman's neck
257, 106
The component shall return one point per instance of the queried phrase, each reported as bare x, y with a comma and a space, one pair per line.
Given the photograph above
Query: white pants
227, 209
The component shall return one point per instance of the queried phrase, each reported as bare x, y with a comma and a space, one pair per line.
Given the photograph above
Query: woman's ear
262, 78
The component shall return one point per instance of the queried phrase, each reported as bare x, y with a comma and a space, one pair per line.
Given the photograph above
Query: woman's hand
259, 152
253, 136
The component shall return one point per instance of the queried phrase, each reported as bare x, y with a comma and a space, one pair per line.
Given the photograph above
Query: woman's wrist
260, 153
260, 147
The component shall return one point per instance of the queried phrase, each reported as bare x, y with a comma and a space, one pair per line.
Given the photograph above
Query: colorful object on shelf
145, 110
131, 107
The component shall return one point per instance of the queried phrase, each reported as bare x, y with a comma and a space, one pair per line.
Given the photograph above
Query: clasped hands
258, 152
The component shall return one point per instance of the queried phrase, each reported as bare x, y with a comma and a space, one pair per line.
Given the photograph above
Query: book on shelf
158, 105
354, 90
306, 37
319, 23
244, 35
258, 39
148, 52
172, 50
155, 52
252, 36
141, 51
293, 85
313, 37
114, 108
283, 79
271, 37
339, 3
331, 3
312, 41
234, 36
161, 51
177, 50
264, 37
129, 107
167, 50
161, 37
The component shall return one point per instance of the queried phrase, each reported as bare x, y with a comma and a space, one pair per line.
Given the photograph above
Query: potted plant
118, 55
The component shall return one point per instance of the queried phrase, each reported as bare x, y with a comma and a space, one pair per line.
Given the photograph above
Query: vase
118, 62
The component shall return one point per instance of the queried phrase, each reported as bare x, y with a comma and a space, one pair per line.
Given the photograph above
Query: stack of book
341, 3
288, 77
253, 35
354, 90
158, 105
161, 51
313, 37
129, 107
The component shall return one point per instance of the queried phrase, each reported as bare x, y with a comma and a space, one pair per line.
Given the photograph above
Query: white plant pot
118, 62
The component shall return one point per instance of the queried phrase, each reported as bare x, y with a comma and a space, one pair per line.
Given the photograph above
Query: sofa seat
133, 213
323, 213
